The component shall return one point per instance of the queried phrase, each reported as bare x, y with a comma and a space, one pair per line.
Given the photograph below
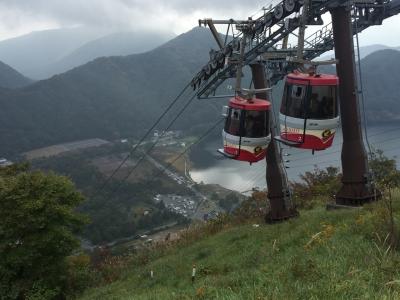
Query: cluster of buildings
168, 134
168, 137
184, 205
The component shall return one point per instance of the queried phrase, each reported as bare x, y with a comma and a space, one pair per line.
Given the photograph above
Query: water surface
241, 176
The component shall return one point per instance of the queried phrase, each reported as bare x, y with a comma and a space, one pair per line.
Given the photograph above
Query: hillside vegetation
115, 210
342, 254
320, 255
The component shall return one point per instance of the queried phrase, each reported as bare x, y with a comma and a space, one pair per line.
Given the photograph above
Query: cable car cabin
246, 134
309, 111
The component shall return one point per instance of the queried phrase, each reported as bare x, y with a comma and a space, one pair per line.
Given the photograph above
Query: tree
384, 169
386, 177
38, 223
317, 186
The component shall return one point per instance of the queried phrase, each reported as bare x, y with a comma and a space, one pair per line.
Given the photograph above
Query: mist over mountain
42, 54
10, 78
32, 53
364, 51
115, 44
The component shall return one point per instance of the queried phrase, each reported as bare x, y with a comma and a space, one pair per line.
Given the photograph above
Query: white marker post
151, 274
193, 273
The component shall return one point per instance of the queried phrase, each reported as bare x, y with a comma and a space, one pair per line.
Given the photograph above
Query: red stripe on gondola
310, 141
245, 155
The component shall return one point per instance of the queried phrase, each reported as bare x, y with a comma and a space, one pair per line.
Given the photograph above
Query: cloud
121, 13
22, 16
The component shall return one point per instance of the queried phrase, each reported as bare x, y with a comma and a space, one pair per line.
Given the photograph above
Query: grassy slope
271, 262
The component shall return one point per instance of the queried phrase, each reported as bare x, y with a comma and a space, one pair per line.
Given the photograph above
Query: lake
241, 176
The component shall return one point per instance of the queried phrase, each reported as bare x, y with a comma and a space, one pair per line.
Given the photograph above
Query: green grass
320, 255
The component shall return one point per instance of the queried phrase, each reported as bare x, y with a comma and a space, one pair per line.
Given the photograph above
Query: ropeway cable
190, 146
152, 146
144, 137
361, 91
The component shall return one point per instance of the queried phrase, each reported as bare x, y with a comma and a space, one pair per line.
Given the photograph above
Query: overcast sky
19, 17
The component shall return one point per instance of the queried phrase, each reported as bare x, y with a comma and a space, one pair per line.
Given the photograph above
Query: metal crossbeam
273, 27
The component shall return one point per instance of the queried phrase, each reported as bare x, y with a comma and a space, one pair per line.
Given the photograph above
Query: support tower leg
281, 206
356, 188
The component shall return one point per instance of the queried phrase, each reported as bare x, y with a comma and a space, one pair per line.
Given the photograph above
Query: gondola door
232, 133
294, 110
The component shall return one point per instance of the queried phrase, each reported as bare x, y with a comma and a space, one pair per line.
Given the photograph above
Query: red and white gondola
246, 133
309, 113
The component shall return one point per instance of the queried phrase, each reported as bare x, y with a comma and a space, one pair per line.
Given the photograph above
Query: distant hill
42, 54
381, 79
32, 53
10, 78
115, 44
110, 97
364, 51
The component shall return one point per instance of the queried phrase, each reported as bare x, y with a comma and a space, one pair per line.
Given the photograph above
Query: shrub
317, 186
253, 207
384, 170
80, 274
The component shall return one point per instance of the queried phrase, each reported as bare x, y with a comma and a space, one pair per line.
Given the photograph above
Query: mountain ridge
10, 78
29, 54
114, 44
42, 54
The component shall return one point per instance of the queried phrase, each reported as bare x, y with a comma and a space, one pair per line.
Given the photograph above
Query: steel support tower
356, 186
281, 206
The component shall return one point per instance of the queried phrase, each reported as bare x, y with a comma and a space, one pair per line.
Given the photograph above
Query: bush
254, 207
80, 274
318, 186
384, 170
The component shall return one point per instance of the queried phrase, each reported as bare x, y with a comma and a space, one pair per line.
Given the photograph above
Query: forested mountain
108, 97
114, 97
10, 78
